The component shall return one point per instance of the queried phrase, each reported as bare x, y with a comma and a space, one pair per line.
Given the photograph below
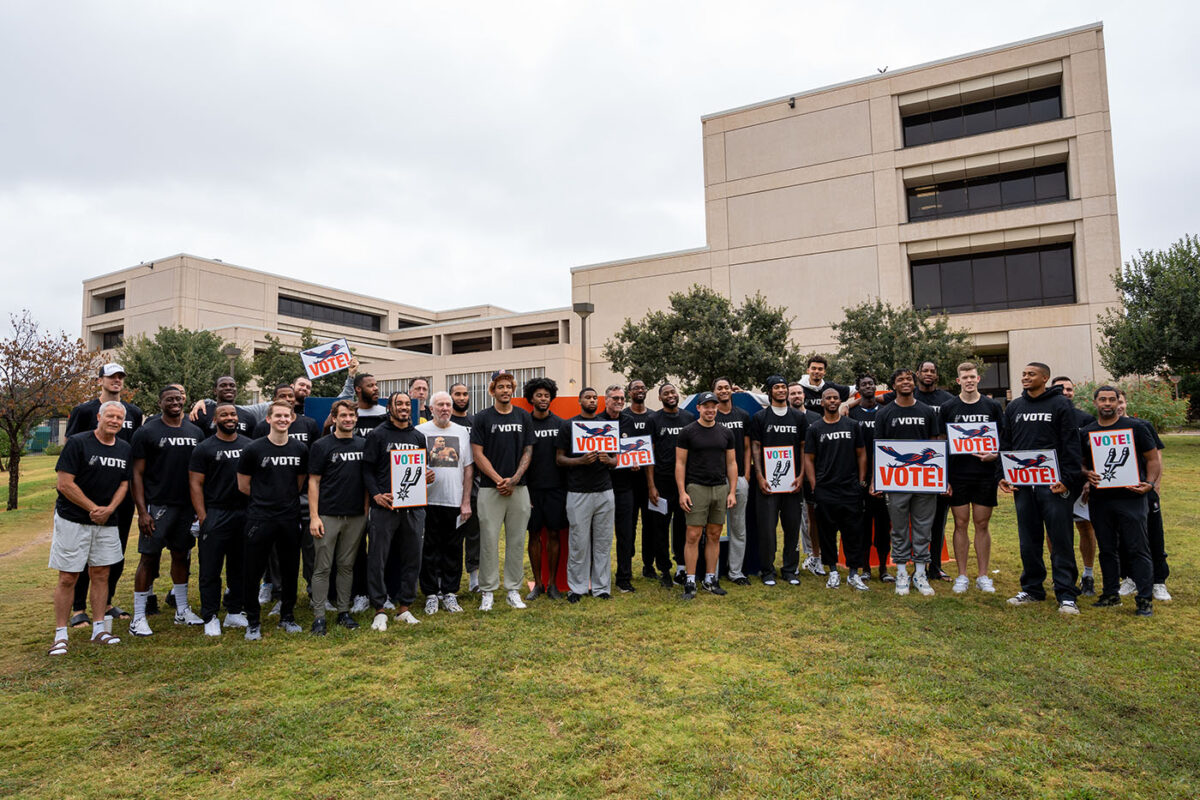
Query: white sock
919, 571
180, 592
139, 604
108, 625
60, 634
709, 577
1087, 572
902, 569
97, 628
691, 578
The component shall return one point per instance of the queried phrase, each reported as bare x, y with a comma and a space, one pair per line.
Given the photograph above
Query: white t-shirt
449, 451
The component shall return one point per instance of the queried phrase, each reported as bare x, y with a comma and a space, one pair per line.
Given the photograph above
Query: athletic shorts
548, 510
708, 504
977, 492
172, 530
75, 546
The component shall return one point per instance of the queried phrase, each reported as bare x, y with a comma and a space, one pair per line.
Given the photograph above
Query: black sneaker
649, 572
346, 621
318, 627
886, 577
742, 581
1145, 608
689, 590
1087, 586
666, 582
625, 586
604, 596
535, 593
714, 587
171, 600
151, 605
1107, 600
553, 593
572, 597
680, 577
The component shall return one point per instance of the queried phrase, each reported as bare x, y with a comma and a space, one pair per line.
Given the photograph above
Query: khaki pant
513, 513
339, 545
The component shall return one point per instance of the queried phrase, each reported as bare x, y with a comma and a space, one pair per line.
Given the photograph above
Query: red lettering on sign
974, 445
595, 444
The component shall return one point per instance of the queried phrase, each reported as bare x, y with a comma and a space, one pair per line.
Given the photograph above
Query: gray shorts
75, 545
172, 530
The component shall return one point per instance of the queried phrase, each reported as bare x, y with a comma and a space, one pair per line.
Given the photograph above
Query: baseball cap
706, 397
111, 368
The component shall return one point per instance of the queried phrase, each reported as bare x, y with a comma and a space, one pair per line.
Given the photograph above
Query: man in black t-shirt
738, 423
83, 418
835, 462
460, 398
623, 481
547, 489
272, 472
93, 476
1154, 519
877, 525
810, 538
225, 391
669, 528
927, 392
221, 510
638, 418
706, 478
162, 448
779, 496
590, 506
1087, 535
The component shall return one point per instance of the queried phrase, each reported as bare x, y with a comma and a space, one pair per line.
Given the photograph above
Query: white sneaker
388, 605
856, 582
922, 583
212, 627
236, 621
274, 612
360, 604
188, 617
1128, 587
1022, 599
380, 622
407, 616
901, 583
485, 602
514, 599
961, 584
254, 633
140, 627
1160, 592
1068, 607
834, 581
984, 584
814, 565
473, 581
450, 603
431, 605
264, 594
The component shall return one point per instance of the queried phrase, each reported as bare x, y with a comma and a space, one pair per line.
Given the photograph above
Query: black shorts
172, 530
549, 510
978, 492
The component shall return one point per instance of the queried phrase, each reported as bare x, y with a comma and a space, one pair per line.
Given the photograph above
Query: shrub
53, 449
1153, 401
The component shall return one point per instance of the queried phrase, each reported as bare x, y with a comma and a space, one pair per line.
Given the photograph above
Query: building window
535, 338
994, 381
477, 384
1015, 110
319, 312
472, 344
989, 193
1032, 276
113, 339
386, 388
114, 302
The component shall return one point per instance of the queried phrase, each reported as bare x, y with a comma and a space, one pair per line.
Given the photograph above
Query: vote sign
326, 359
595, 436
1030, 467
779, 465
910, 466
973, 438
1114, 458
408, 478
635, 452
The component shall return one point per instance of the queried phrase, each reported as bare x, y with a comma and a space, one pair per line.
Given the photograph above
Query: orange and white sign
326, 359
973, 438
1030, 467
910, 466
595, 436
408, 478
636, 451
1114, 457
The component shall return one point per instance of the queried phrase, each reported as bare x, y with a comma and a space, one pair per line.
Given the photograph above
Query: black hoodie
1045, 422
376, 458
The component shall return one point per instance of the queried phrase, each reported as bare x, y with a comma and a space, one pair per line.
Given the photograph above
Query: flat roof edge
652, 257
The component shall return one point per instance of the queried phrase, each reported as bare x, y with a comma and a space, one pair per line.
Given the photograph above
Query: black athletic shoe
1107, 600
318, 627
680, 577
886, 578
1087, 586
572, 597
604, 596
689, 590
171, 600
625, 586
1145, 608
346, 621
714, 587
649, 572
151, 605
742, 581
666, 582
553, 593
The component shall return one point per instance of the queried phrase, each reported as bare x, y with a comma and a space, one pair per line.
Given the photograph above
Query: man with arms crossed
778, 425
835, 461
93, 476
706, 477
738, 423
669, 528
547, 488
449, 448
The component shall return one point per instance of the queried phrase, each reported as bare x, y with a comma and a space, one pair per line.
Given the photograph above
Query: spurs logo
782, 468
1113, 463
407, 482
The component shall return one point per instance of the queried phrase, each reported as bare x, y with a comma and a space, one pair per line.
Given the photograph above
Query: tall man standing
835, 462
705, 477
547, 488
778, 425
225, 391
460, 394
638, 417
623, 481
1154, 520
669, 528
927, 392
877, 525
590, 508
449, 448
738, 423
1087, 534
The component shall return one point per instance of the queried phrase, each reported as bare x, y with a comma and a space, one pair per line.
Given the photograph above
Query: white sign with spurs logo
408, 478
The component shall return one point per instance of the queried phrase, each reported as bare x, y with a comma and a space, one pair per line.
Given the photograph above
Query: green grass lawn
787, 692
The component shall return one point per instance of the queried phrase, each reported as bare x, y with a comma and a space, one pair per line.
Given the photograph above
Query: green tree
177, 355
1153, 401
280, 363
878, 338
703, 336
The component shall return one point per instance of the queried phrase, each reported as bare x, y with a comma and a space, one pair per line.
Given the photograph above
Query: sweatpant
124, 523
737, 530
662, 529
1042, 514
394, 534
624, 533
913, 510
279, 535
846, 518
877, 530
338, 546
1155, 534
773, 510
589, 545
512, 512
441, 558
222, 542
1120, 524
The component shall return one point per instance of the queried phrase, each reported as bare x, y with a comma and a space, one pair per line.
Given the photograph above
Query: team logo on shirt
281, 461
227, 455
106, 461
349, 455
176, 441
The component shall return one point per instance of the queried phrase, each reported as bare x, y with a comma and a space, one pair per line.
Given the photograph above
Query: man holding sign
835, 463
776, 440
1121, 464
586, 448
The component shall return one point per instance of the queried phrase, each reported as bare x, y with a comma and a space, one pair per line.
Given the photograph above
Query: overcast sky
381, 145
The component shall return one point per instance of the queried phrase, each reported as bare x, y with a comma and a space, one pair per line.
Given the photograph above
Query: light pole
584, 310
231, 351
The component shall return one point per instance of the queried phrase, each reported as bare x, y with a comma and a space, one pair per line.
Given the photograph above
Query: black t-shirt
738, 422
866, 421
207, 425
835, 455
780, 430
935, 399
85, 416
376, 461
304, 430
166, 451
812, 396
706, 448
664, 432
99, 470
914, 422
369, 419
274, 472
957, 412
593, 477
639, 424
217, 461
1143, 442
1080, 418
503, 438
466, 420
544, 472
339, 463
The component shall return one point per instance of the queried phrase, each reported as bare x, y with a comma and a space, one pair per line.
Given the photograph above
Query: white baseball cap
110, 369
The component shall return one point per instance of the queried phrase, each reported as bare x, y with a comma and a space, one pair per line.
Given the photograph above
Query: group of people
265, 493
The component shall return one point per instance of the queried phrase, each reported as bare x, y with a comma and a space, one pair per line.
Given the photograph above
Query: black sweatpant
1155, 536
441, 556
1121, 537
773, 510
470, 532
222, 542
641, 496
281, 536
395, 539
623, 532
124, 522
848, 519
877, 527
663, 529
1042, 514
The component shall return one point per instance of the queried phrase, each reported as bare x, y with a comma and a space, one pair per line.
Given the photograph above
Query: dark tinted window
113, 339
1034, 276
983, 194
114, 303
989, 193
319, 312
1025, 108
1045, 104
1017, 189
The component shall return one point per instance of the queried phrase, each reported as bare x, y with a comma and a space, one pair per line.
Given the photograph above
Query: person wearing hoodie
814, 384
1044, 419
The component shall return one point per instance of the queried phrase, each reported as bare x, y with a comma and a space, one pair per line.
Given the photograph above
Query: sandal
115, 612
104, 637
80, 620
59, 648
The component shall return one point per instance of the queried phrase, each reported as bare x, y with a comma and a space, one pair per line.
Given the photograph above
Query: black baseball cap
706, 397
774, 379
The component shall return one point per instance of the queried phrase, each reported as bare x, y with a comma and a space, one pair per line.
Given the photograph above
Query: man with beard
418, 390
221, 510
738, 423
460, 395
449, 446
638, 417
365, 390
225, 391
1087, 534
835, 461
877, 525
623, 481
705, 477
669, 528
810, 539
778, 425
1158, 552
927, 392
547, 488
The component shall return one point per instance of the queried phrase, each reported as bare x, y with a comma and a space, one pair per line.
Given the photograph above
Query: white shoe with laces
188, 617
922, 583
901, 583
1068, 607
835, 580
140, 627
1128, 587
1022, 599
514, 599
380, 622
961, 584
360, 604
407, 616
212, 627
236, 621
984, 584
264, 594
857, 582
450, 603
485, 601
1161, 593
431, 605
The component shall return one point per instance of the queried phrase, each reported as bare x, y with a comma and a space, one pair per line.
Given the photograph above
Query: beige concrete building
982, 184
